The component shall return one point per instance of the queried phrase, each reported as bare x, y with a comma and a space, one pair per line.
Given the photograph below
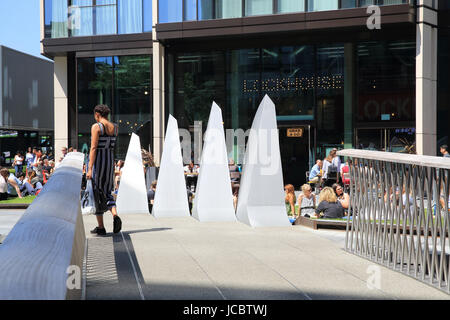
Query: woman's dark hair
103, 110
335, 186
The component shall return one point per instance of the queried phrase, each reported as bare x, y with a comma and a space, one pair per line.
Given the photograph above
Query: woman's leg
100, 221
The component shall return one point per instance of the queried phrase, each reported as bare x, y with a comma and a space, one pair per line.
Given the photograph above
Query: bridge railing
400, 213
42, 257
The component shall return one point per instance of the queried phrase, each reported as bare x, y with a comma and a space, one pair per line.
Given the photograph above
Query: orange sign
295, 132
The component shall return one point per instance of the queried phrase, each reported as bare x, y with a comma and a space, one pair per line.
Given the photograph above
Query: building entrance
296, 147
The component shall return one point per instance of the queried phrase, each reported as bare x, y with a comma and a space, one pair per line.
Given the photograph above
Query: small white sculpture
261, 195
171, 192
213, 198
132, 194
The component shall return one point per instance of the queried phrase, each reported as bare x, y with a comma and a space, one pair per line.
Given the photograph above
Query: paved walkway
181, 258
8, 218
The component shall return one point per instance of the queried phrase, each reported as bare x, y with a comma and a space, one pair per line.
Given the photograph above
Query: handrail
425, 161
401, 215
47, 240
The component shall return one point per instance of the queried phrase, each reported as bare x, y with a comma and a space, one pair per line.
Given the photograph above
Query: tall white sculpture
261, 195
132, 195
171, 192
213, 198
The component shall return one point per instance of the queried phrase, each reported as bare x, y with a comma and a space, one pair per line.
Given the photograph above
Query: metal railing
399, 206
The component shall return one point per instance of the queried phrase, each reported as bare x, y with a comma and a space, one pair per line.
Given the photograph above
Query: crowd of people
31, 171
330, 179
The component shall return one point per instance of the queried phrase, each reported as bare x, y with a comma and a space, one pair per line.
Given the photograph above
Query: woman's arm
95, 134
292, 203
14, 184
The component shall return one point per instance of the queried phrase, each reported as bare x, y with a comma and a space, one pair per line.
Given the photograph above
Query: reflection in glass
94, 87
285, 6
365, 3
348, 4
257, 7
129, 97
170, 11
58, 14
199, 81
386, 81
105, 12
190, 10
148, 15
132, 100
205, 9
130, 16
330, 94
228, 9
321, 5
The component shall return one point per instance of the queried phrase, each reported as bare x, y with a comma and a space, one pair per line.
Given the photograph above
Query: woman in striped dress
101, 167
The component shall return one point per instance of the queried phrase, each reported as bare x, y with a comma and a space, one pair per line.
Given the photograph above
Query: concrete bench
321, 223
49, 238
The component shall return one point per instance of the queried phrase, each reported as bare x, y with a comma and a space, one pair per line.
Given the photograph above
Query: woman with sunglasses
342, 197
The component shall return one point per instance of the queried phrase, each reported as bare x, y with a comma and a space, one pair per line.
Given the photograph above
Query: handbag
99, 198
87, 200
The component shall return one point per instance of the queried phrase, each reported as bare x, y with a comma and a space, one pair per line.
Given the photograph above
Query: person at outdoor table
336, 162
290, 200
329, 207
151, 195
235, 175
330, 176
307, 201
191, 173
342, 197
444, 151
314, 174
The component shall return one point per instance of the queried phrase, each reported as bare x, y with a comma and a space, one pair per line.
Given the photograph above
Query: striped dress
103, 170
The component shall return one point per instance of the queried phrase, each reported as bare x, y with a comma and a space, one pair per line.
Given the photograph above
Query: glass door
296, 147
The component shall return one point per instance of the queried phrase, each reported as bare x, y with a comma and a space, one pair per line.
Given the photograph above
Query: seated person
235, 175
151, 195
307, 201
329, 207
314, 175
191, 173
15, 187
289, 200
3, 188
235, 191
341, 196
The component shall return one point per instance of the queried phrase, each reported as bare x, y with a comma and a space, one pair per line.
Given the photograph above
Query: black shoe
99, 231
117, 224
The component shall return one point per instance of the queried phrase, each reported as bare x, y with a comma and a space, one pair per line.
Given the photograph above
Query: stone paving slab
181, 258
8, 218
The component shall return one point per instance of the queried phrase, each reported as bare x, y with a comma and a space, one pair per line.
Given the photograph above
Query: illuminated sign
293, 84
294, 132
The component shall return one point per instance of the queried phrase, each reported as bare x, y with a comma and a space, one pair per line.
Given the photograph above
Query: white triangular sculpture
213, 198
171, 192
132, 194
261, 195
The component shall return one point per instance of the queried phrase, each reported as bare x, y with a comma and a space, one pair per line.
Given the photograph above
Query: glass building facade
124, 83
71, 18
355, 89
306, 83
190, 10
